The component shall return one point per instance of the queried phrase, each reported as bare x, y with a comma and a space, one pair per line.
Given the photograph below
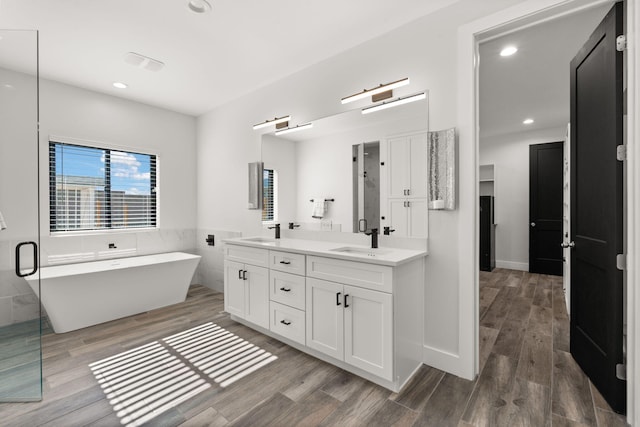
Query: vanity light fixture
394, 103
295, 129
281, 122
527, 121
386, 89
120, 85
508, 51
199, 6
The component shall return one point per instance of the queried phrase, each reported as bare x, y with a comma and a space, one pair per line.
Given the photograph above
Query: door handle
533, 224
346, 304
244, 274
338, 298
35, 259
285, 322
240, 274
285, 262
568, 245
283, 289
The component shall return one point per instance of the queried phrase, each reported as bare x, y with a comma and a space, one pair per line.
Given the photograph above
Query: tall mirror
351, 172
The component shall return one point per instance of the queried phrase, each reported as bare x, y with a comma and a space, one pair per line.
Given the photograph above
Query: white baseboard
443, 360
512, 265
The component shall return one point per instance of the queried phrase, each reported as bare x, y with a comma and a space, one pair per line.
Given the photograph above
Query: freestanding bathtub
79, 295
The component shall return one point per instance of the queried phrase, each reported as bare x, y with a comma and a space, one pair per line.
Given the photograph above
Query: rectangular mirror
373, 166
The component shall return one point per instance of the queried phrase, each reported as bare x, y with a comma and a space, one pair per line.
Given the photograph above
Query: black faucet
277, 227
387, 231
374, 237
293, 225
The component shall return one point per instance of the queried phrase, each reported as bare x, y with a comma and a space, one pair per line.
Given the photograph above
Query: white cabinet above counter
358, 308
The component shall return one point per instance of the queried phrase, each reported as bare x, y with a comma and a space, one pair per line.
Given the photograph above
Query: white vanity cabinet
365, 317
352, 324
246, 284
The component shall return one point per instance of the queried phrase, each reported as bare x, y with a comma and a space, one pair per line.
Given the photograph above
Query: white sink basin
260, 239
359, 251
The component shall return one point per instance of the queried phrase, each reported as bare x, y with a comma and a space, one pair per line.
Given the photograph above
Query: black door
545, 208
597, 210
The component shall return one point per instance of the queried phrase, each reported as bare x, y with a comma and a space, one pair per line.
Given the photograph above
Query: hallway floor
527, 376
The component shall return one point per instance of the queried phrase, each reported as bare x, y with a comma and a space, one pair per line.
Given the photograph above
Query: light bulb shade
396, 103
295, 129
370, 92
272, 122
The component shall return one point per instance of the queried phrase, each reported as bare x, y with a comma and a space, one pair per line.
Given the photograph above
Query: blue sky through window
130, 172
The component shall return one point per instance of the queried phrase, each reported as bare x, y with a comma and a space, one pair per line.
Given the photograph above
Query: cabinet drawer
287, 289
288, 322
248, 255
370, 276
286, 261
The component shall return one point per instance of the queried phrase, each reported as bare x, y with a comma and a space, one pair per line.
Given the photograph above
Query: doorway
589, 28
545, 208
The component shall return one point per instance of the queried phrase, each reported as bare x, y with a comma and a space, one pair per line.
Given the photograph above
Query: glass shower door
20, 313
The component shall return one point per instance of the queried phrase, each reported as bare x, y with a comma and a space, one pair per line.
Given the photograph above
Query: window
268, 195
95, 188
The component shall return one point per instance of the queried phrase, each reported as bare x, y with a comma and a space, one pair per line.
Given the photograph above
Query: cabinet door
398, 167
418, 217
233, 288
257, 295
397, 216
418, 165
368, 326
325, 317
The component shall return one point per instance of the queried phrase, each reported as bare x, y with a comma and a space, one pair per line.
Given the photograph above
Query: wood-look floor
527, 376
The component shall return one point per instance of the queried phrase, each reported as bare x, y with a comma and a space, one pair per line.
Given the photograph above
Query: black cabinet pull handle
285, 262
345, 300
35, 259
338, 298
285, 289
244, 274
285, 322
239, 274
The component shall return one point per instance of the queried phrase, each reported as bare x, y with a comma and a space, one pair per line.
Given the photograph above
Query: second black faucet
374, 237
277, 227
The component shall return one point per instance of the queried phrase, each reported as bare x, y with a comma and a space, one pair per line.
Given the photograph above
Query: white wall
424, 51
79, 114
510, 156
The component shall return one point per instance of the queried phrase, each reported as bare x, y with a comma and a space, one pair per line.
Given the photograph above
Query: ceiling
210, 59
534, 82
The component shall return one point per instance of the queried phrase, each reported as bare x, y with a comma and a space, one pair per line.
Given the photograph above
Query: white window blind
268, 195
94, 188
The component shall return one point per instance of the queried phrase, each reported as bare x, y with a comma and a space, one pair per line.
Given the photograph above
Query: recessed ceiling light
527, 121
508, 51
119, 85
199, 6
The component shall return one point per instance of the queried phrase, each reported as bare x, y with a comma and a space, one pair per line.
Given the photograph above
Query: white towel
3, 225
319, 207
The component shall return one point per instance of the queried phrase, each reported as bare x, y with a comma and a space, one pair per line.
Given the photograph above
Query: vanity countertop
381, 256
